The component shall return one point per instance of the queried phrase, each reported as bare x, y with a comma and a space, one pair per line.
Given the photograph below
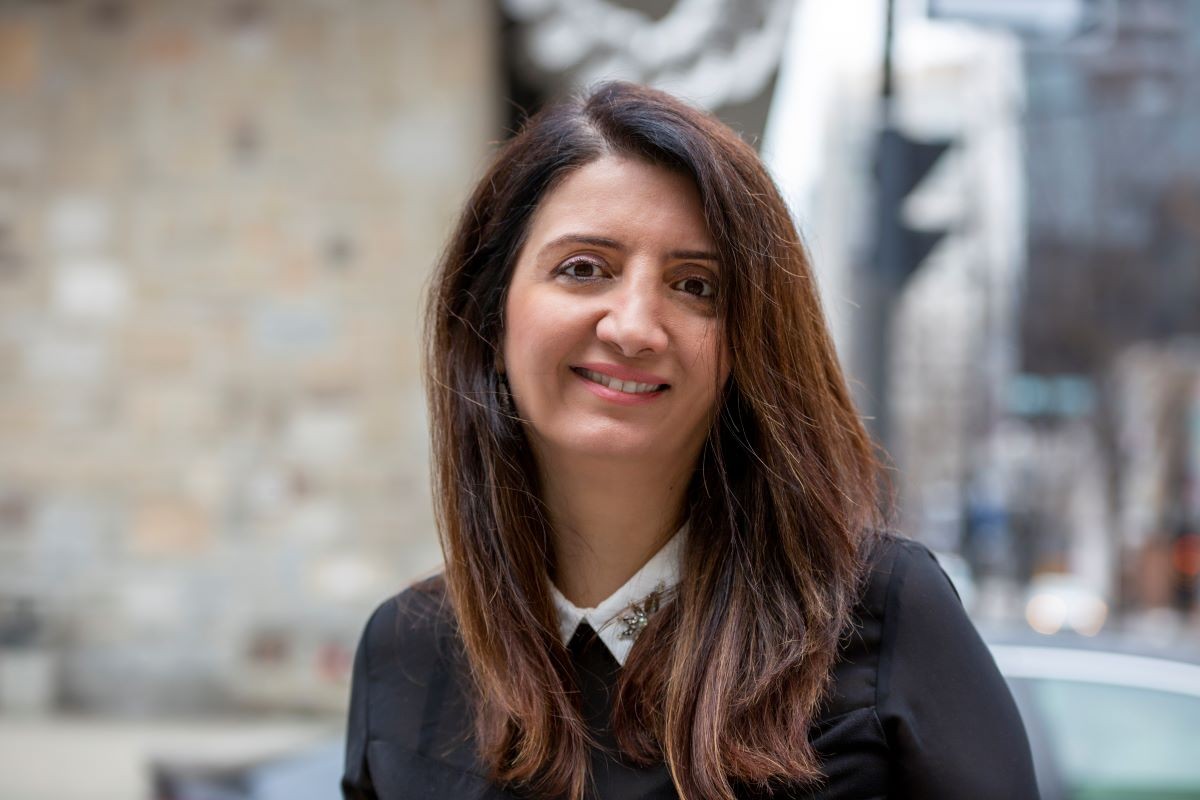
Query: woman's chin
629, 450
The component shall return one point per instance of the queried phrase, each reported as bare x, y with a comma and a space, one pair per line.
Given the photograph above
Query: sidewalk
81, 758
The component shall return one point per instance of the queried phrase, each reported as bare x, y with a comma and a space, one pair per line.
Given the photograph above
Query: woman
658, 509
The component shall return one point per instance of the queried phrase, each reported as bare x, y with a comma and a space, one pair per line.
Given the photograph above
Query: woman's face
616, 284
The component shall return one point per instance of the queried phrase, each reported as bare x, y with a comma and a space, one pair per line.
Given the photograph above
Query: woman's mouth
626, 393
628, 387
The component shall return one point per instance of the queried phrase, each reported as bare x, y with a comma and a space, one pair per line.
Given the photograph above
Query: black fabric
612, 776
917, 707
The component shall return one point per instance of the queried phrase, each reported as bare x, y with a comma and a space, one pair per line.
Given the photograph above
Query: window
1117, 742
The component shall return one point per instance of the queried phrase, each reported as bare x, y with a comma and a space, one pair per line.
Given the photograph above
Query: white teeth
621, 386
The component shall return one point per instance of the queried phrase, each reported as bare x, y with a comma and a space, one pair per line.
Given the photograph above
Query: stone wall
216, 220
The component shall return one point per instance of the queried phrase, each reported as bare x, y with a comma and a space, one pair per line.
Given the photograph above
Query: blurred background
217, 219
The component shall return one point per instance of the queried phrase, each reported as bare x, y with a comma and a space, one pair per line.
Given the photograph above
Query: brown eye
580, 269
698, 287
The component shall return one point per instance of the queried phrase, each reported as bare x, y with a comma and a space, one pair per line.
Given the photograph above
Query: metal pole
888, 87
878, 295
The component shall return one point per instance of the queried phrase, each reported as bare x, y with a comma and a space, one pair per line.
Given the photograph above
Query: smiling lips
627, 387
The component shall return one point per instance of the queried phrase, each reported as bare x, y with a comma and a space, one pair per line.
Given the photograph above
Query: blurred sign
1051, 396
1044, 17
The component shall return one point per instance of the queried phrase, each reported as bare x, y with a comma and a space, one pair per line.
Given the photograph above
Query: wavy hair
729, 674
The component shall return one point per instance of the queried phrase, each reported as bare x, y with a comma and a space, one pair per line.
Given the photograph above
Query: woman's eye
697, 286
581, 269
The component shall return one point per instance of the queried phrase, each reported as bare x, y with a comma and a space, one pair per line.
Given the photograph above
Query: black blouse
917, 707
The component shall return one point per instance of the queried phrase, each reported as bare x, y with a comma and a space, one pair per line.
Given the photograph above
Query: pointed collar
616, 619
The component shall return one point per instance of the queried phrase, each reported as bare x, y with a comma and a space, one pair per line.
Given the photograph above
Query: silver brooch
638, 614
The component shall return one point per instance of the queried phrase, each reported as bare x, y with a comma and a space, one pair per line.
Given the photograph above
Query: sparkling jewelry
638, 614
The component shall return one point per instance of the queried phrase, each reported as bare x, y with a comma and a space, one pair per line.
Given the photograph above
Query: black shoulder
890, 559
415, 611
883, 560
936, 682
403, 665
409, 630
925, 569
409, 645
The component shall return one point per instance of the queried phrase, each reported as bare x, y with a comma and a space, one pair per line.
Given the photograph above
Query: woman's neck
609, 519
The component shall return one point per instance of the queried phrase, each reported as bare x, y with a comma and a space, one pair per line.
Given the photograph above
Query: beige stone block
206, 480
10, 360
168, 47
79, 223
158, 348
91, 288
87, 130
331, 377
315, 521
22, 153
170, 526
170, 414
81, 412
20, 56
20, 416
322, 437
16, 512
61, 354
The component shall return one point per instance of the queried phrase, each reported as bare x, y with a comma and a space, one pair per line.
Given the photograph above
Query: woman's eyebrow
694, 255
613, 244
582, 238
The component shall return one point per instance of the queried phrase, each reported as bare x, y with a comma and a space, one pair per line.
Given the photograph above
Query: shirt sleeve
950, 719
356, 779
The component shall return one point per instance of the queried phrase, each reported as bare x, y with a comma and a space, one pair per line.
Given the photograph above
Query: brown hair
727, 677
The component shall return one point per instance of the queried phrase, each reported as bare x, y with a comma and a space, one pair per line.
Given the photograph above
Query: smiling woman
665, 574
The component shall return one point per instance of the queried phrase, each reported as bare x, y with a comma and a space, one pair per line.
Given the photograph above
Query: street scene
218, 222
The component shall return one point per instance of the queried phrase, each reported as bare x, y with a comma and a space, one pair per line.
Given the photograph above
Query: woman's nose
632, 322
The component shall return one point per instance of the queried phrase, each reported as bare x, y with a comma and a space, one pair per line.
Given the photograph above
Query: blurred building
1112, 143
1076, 355
1026, 340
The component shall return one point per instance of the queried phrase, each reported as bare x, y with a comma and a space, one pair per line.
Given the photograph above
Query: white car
1106, 721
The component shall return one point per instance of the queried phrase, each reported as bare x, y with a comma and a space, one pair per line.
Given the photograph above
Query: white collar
661, 572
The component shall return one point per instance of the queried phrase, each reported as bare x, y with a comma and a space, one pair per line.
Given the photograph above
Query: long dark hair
726, 679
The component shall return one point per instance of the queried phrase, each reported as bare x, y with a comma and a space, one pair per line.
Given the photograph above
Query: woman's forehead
623, 199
